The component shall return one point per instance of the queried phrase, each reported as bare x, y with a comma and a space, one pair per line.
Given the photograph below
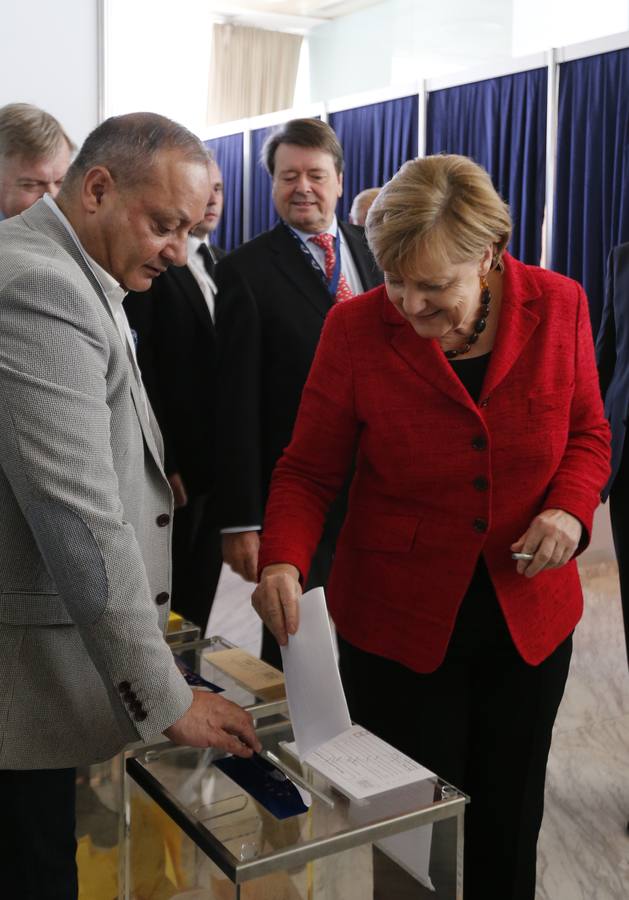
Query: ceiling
299, 15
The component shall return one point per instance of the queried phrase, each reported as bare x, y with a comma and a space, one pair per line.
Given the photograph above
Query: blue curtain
500, 123
592, 187
376, 140
228, 153
263, 215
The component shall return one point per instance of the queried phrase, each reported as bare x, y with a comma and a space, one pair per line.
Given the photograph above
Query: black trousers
619, 515
483, 722
38, 847
197, 560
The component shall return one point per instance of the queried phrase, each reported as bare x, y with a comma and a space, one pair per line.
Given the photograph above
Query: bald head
138, 187
361, 204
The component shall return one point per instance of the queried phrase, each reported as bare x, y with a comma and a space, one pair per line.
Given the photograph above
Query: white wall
48, 57
158, 59
398, 41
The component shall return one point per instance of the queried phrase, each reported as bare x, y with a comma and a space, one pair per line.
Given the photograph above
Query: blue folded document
194, 679
265, 783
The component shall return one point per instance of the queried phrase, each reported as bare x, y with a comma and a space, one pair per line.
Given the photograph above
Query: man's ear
340, 191
97, 183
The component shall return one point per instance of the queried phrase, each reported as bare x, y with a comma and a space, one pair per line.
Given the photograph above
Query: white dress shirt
200, 273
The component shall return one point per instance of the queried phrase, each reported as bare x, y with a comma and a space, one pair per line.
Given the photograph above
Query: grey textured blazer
84, 517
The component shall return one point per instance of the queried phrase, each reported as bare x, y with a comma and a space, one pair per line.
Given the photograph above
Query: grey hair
127, 146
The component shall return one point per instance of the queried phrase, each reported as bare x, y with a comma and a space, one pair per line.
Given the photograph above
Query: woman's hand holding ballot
276, 600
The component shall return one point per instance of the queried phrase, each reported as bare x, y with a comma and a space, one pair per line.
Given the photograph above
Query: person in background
612, 350
274, 293
468, 385
361, 204
177, 355
85, 508
35, 153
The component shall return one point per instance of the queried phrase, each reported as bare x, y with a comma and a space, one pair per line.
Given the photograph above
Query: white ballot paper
358, 763
355, 761
316, 700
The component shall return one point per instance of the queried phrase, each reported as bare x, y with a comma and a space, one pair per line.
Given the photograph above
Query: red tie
326, 242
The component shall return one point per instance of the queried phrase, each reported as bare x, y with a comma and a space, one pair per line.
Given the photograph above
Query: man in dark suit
176, 347
273, 296
612, 351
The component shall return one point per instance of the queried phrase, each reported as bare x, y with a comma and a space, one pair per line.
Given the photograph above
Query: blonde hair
30, 132
445, 205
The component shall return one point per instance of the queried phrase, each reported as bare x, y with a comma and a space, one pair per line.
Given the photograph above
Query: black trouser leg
619, 516
197, 560
38, 847
482, 721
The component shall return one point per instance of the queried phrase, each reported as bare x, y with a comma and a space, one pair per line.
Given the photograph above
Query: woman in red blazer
467, 386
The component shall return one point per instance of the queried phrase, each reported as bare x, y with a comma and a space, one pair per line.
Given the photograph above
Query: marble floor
584, 845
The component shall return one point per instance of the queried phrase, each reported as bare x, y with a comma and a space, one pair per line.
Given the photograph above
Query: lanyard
333, 283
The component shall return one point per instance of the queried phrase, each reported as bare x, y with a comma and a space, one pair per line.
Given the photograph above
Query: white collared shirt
113, 292
200, 273
348, 266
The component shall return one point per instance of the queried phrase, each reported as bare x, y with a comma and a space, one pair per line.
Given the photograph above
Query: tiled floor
584, 845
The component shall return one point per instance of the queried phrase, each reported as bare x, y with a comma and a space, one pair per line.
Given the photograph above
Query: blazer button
129, 696
479, 442
162, 598
162, 520
124, 686
480, 525
480, 483
140, 715
484, 402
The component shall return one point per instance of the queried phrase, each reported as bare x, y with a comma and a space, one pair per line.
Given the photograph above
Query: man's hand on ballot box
276, 600
213, 721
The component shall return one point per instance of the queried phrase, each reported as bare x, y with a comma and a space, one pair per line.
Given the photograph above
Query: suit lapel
187, 284
287, 256
517, 322
368, 272
41, 218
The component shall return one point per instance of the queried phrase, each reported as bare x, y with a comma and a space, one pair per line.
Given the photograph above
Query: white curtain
252, 71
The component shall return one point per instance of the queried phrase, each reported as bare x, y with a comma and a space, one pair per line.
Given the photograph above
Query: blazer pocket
551, 400
385, 532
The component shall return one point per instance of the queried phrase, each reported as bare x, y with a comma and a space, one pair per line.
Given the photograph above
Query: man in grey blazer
85, 508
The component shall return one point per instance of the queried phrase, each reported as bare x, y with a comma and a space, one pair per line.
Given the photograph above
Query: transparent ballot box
104, 808
196, 834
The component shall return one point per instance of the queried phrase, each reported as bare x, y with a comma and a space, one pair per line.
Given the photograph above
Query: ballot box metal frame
449, 803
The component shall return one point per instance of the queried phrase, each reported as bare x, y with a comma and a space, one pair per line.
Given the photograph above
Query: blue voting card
193, 679
265, 783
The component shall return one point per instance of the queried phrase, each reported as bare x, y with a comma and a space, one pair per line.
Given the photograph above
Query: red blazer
440, 480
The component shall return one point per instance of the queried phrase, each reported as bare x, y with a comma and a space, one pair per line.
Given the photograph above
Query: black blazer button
129, 696
480, 525
480, 483
162, 598
162, 520
124, 686
140, 715
479, 442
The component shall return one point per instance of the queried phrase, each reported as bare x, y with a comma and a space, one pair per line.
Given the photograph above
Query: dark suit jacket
177, 356
270, 309
612, 353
